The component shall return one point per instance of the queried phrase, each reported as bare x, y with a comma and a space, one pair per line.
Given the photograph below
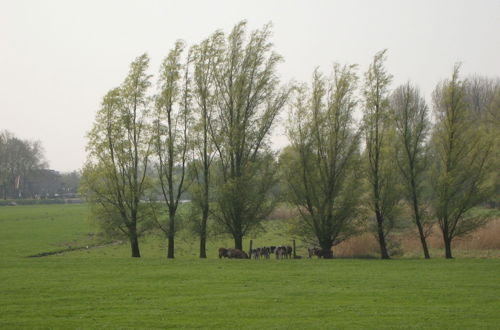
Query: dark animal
280, 252
289, 251
237, 254
255, 253
314, 251
223, 252
265, 251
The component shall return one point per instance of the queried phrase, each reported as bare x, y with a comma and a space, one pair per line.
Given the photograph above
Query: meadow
102, 287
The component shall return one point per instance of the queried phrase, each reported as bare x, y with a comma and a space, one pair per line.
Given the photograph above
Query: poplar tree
248, 99
114, 176
411, 116
321, 166
204, 57
463, 159
378, 132
171, 135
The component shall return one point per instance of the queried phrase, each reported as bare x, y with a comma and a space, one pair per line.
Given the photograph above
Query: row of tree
206, 131
24, 173
396, 161
18, 159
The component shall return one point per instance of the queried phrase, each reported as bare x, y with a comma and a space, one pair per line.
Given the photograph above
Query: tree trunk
326, 248
171, 234
203, 239
384, 254
134, 242
203, 233
238, 242
447, 246
417, 221
422, 240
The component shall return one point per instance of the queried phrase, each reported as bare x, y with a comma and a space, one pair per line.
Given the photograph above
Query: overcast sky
59, 58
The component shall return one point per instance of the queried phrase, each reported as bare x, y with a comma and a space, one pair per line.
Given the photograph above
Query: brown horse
223, 252
237, 254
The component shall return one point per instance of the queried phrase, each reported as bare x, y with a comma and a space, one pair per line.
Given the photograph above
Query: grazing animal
314, 251
255, 253
237, 254
223, 252
280, 252
265, 252
289, 251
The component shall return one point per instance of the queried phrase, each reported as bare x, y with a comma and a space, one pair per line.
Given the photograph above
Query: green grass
105, 288
27, 230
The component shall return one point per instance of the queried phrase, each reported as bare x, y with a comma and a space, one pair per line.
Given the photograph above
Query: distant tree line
24, 173
205, 131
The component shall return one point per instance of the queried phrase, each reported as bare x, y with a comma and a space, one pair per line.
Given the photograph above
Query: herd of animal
281, 252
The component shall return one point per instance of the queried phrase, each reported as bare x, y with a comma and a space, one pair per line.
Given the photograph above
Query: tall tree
248, 98
204, 56
19, 159
114, 177
462, 160
412, 129
171, 134
383, 197
321, 169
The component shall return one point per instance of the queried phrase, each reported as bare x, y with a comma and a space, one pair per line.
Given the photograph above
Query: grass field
102, 287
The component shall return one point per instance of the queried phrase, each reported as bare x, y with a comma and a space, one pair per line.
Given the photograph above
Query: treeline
205, 130
24, 173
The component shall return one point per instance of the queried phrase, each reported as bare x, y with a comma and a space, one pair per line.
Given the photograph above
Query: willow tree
378, 132
170, 135
411, 116
204, 56
463, 155
321, 169
248, 99
114, 176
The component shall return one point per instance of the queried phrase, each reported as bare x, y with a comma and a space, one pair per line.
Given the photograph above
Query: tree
462, 160
203, 148
482, 95
378, 129
114, 176
479, 95
412, 128
70, 182
248, 98
171, 134
321, 166
19, 159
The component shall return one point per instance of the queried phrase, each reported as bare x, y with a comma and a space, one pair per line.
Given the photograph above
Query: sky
59, 58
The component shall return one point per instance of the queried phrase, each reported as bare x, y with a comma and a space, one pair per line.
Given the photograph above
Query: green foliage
379, 132
249, 97
171, 134
202, 145
463, 160
114, 176
248, 196
412, 129
20, 161
320, 167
